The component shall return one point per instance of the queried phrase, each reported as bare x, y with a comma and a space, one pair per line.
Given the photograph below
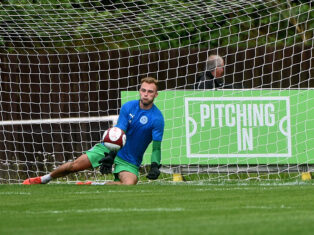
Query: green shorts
121, 165
96, 153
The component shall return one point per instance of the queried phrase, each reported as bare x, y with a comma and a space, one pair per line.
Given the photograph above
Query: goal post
67, 66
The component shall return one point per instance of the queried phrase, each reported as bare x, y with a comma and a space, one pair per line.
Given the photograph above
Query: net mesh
64, 65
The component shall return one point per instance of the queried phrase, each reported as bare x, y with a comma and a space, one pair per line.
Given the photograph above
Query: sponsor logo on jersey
131, 117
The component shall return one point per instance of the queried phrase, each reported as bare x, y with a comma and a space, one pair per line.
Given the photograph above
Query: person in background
211, 78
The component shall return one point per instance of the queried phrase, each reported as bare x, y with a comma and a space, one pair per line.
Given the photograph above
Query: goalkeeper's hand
107, 162
154, 171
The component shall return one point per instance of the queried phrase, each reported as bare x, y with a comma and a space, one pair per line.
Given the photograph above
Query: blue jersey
141, 127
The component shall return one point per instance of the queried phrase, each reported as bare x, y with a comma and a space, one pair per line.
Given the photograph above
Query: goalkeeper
143, 123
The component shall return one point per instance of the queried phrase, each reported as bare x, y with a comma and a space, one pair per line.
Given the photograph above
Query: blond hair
150, 80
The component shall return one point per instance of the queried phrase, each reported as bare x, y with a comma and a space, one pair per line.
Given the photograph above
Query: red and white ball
114, 138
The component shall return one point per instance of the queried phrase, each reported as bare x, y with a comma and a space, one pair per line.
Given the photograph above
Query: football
114, 138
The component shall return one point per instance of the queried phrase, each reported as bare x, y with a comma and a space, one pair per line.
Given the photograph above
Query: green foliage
83, 25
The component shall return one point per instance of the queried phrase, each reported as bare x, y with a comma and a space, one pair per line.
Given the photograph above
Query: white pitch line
223, 189
111, 191
14, 193
97, 192
113, 210
129, 191
267, 207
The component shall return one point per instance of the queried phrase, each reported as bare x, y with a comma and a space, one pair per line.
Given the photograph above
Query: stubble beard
146, 104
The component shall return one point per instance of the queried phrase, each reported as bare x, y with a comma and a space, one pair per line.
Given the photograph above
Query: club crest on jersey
143, 120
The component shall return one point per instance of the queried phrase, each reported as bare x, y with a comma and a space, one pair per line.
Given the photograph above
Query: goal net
67, 66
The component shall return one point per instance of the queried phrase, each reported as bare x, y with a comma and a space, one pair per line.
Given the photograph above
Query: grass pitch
181, 208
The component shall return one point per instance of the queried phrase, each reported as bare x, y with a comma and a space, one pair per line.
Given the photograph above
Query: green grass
155, 208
